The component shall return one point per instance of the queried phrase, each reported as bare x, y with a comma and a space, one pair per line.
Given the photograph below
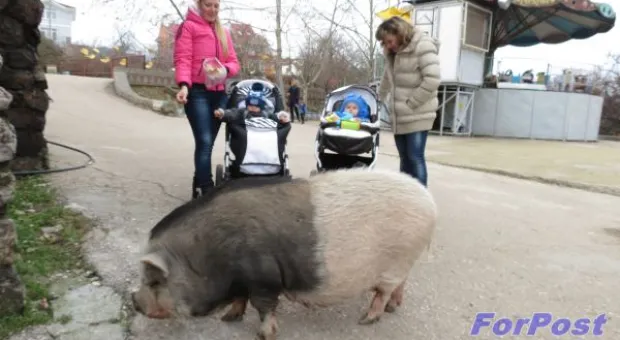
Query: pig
318, 242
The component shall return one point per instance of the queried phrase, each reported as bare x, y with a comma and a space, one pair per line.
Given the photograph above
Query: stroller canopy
241, 90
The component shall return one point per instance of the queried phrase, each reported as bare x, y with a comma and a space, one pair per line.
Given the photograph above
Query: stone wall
11, 288
22, 77
150, 77
123, 89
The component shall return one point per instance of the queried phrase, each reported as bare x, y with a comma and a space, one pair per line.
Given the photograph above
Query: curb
557, 182
123, 89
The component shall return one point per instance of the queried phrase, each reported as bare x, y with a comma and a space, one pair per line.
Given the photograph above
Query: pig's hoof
263, 336
389, 308
232, 317
368, 320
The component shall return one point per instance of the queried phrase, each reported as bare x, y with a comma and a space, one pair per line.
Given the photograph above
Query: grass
33, 207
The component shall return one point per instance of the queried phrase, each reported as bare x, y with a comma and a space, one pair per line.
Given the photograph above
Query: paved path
503, 245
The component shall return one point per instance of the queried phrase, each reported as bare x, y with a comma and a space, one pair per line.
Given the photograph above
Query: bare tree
318, 52
365, 41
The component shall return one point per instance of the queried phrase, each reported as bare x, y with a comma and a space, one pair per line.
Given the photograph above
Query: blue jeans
205, 127
411, 151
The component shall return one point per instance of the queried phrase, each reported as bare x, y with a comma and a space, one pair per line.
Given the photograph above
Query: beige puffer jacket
410, 84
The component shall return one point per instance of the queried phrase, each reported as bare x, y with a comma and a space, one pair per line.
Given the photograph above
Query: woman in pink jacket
202, 36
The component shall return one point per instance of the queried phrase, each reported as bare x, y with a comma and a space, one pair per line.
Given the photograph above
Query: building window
50, 14
54, 34
477, 32
68, 40
426, 20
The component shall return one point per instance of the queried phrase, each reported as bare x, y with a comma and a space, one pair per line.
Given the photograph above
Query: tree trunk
279, 47
25, 79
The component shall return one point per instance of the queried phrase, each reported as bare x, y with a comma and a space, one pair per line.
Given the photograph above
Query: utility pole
279, 47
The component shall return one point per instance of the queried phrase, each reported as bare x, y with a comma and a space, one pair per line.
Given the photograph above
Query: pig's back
371, 230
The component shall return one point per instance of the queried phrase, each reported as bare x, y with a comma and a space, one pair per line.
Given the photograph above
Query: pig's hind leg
266, 303
383, 296
236, 311
396, 299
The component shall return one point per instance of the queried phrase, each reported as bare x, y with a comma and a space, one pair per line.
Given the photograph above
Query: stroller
240, 147
347, 145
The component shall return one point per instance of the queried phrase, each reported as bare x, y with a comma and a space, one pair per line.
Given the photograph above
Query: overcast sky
95, 21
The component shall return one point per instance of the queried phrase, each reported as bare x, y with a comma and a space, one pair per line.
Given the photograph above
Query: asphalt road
503, 245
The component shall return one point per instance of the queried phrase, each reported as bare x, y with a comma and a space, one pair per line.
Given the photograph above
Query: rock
86, 305
24, 58
13, 79
5, 99
40, 81
30, 143
8, 140
51, 230
77, 208
32, 36
97, 332
30, 12
3, 3
35, 99
12, 292
7, 241
51, 234
33, 333
11, 32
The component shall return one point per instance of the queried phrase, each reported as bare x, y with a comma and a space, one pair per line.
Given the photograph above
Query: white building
57, 21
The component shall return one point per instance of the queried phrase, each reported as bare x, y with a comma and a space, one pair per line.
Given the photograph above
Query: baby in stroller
349, 129
353, 108
256, 135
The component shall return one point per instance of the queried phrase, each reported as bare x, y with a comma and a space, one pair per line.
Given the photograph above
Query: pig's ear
156, 263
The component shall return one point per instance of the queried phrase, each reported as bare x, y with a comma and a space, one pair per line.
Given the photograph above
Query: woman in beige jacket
409, 86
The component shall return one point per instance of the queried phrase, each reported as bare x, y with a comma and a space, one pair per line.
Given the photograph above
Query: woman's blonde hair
219, 32
397, 26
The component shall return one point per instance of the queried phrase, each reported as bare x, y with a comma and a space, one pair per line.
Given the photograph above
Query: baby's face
253, 109
352, 109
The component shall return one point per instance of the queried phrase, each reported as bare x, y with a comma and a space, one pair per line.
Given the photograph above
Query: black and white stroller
350, 147
258, 147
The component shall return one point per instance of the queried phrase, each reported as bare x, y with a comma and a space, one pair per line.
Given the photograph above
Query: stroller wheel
219, 174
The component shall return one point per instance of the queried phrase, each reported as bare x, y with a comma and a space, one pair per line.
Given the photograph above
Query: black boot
195, 189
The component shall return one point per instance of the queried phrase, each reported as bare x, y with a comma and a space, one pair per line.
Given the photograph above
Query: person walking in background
410, 82
201, 36
293, 100
302, 110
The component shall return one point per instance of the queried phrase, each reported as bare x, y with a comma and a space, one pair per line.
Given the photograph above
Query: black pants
294, 113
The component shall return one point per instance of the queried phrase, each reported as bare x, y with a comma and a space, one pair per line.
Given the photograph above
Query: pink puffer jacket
196, 40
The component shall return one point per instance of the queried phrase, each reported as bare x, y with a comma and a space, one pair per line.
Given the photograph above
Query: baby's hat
362, 107
256, 97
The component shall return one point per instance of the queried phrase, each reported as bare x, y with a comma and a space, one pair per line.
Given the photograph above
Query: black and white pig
317, 241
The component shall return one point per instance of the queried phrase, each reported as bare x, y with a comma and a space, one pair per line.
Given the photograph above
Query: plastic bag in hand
215, 72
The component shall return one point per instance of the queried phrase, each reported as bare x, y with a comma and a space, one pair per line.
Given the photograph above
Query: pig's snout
135, 304
150, 311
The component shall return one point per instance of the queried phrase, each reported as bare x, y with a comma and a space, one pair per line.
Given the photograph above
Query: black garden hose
91, 160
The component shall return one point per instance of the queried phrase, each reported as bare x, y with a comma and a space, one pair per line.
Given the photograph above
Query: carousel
476, 102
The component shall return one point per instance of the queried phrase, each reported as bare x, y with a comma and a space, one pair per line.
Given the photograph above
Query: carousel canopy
531, 22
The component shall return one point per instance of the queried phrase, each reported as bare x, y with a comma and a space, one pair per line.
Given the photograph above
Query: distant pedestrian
302, 110
202, 36
293, 100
